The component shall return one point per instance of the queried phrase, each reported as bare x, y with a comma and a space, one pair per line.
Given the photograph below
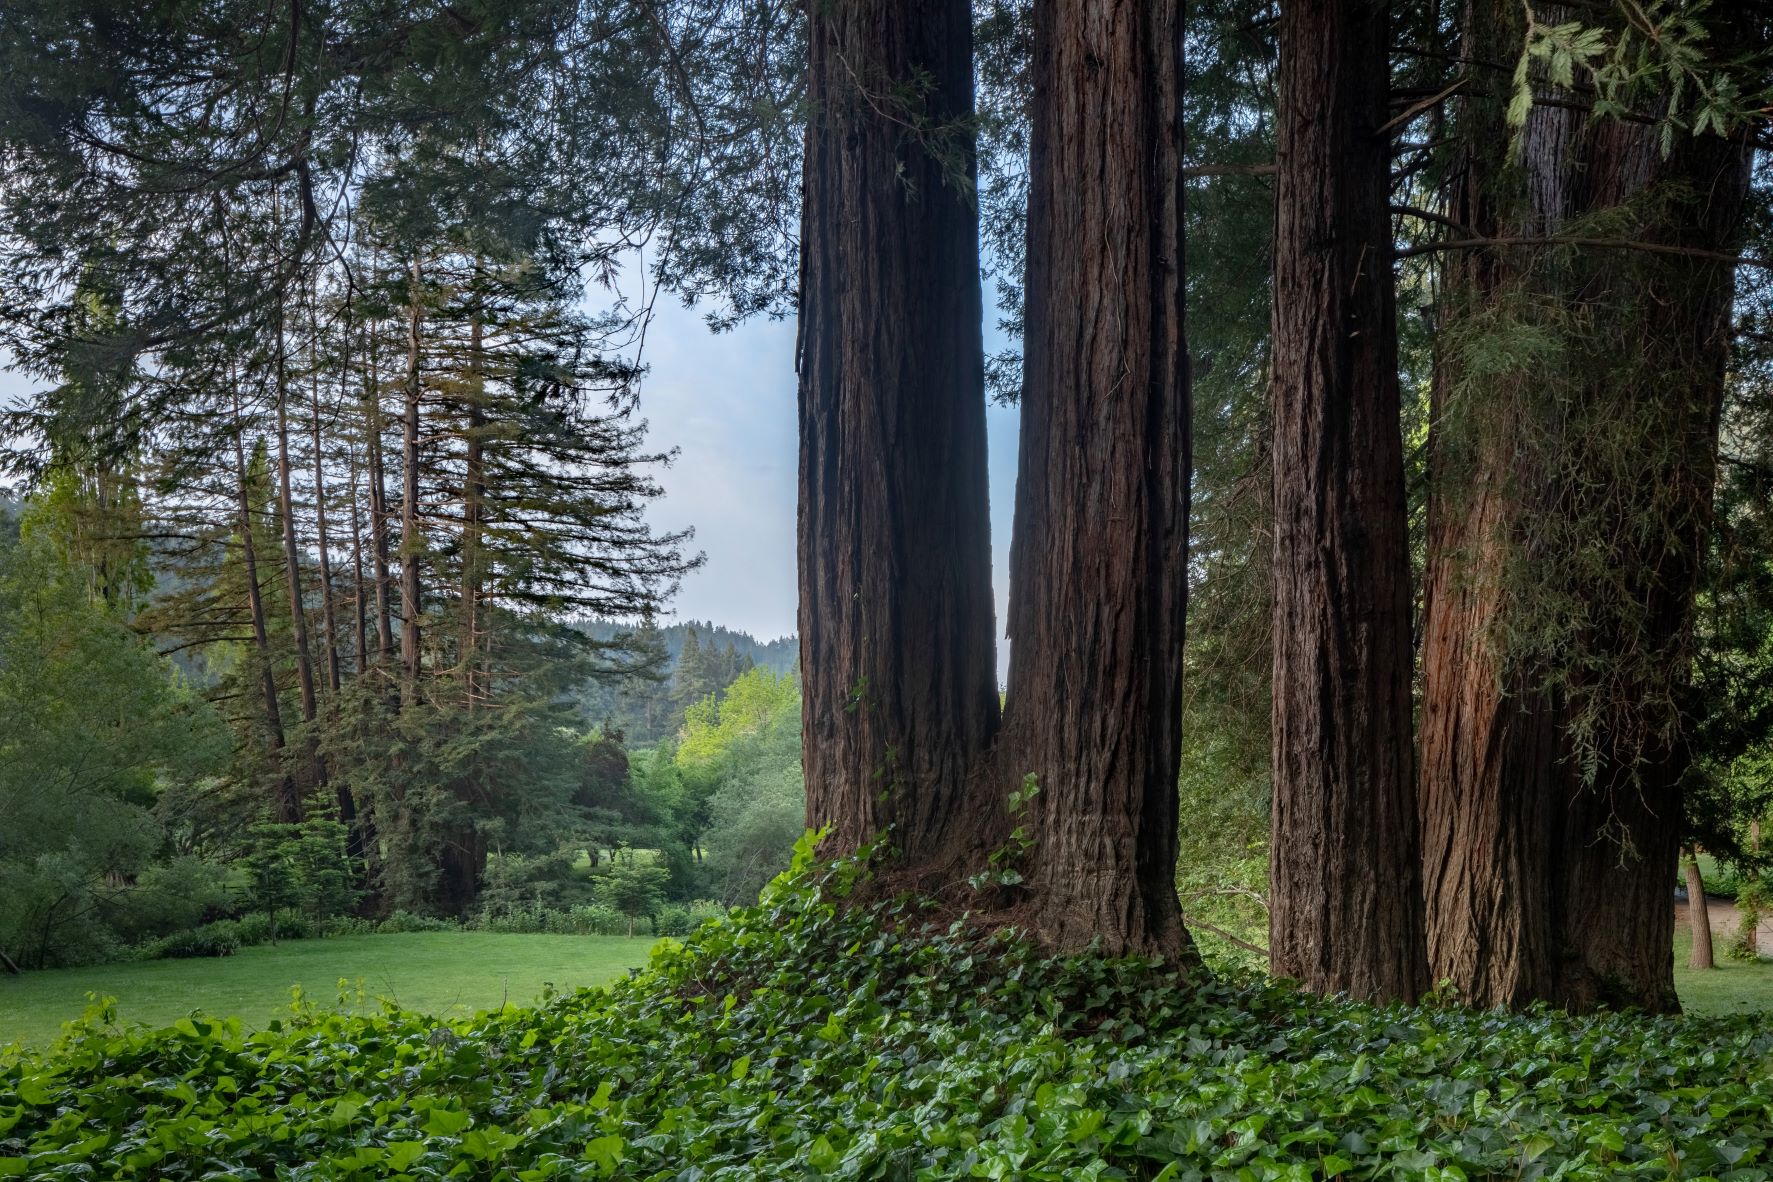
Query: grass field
1734, 987
451, 973
457, 973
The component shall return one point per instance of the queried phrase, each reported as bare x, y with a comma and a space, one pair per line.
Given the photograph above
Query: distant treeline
689, 660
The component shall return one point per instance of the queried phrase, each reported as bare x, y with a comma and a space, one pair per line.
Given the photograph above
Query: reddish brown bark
1545, 862
1098, 583
1345, 902
896, 616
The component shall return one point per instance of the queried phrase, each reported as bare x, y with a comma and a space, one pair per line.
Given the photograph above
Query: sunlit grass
1734, 987
446, 973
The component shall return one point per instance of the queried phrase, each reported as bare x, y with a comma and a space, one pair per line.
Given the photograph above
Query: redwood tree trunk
1699, 913
896, 617
1098, 582
1345, 898
1550, 772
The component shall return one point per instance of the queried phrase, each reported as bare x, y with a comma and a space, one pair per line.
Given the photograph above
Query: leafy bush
587, 919
680, 919
221, 938
1752, 900
535, 882
407, 921
805, 1039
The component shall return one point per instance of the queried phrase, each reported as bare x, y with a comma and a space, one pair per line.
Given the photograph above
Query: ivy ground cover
805, 1039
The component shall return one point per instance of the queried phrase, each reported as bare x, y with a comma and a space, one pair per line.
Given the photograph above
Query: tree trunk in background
1548, 837
1699, 913
410, 541
287, 806
378, 507
896, 616
328, 609
473, 499
359, 597
292, 570
1345, 898
1098, 585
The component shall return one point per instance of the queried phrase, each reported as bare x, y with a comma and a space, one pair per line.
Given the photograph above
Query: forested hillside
687, 661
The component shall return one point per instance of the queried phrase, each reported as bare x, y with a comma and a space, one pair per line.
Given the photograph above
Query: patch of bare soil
1724, 920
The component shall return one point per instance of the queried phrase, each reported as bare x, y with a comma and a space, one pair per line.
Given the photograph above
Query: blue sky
726, 401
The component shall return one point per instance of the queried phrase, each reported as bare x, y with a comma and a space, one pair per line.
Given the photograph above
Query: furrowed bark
1097, 565
896, 616
1548, 845
1345, 900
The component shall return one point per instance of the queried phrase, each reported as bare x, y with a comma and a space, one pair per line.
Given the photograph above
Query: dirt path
1724, 918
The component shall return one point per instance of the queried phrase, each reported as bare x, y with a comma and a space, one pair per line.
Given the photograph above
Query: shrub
170, 897
407, 921
680, 919
586, 919
1751, 899
539, 882
221, 938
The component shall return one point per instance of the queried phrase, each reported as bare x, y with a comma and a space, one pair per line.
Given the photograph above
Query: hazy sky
727, 403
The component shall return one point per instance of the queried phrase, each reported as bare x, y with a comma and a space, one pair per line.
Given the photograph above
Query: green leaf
446, 1122
605, 1152
402, 1155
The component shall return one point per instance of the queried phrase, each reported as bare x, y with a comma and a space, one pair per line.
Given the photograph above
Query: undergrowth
806, 1039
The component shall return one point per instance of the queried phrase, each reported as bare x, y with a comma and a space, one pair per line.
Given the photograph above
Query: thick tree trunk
1550, 773
1345, 898
1098, 582
1698, 914
410, 542
896, 617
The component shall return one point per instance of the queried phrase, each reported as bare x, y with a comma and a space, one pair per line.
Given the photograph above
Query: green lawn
451, 973
458, 973
1734, 987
